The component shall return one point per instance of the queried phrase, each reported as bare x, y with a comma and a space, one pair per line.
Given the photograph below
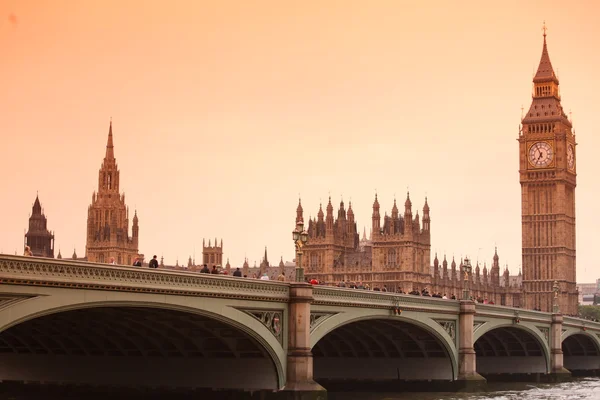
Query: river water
581, 389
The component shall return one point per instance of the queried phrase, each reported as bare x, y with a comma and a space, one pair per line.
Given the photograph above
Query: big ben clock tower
548, 178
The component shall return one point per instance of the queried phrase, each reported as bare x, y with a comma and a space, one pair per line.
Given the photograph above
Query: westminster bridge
73, 322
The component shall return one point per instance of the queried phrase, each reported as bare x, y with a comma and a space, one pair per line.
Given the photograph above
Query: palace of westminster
397, 255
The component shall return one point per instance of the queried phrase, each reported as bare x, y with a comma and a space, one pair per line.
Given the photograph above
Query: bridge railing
496, 311
324, 295
36, 271
582, 323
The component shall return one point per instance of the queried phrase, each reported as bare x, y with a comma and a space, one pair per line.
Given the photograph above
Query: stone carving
546, 332
73, 274
272, 319
449, 327
477, 325
317, 318
563, 332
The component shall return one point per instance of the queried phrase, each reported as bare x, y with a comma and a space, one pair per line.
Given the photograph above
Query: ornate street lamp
555, 289
466, 269
300, 237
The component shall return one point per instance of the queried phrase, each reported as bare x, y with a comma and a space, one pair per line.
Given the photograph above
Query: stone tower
108, 217
38, 237
212, 255
548, 178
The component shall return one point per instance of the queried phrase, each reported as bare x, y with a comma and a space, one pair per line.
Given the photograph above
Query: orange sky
223, 111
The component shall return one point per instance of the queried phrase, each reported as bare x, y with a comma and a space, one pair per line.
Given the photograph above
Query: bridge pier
468, 378
300, 384
558, 372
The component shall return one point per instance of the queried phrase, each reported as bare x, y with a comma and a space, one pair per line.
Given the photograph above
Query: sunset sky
224, 112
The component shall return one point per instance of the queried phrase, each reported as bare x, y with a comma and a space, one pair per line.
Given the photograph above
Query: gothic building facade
108, 217
397, 256
39, 239
547, 169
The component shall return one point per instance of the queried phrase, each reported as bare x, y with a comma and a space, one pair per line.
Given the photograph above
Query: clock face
570, 156
541, 154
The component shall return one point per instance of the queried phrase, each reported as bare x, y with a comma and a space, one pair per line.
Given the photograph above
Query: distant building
587, 291
212, 255
108, 217
39, 239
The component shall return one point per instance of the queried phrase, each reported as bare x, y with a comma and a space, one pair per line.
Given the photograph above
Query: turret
495, 270
485, 274
245, 267
426, 218
299, 211
453, 267
329, 220
394, 219
445, 268
376, 219
436, 268
408, 220
281, 266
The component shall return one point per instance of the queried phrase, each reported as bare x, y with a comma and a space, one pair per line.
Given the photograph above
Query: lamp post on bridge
300, 237
466, 268
555, 289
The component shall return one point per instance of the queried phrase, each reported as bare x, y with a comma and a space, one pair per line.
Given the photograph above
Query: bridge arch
222, 312
397, 346
581, 351
505, 347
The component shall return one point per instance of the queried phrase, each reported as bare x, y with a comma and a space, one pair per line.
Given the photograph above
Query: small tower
445, 268
376, 219
426, 218
299, 211
245, 267
281, 266
495, 270
329, 221
408, 220
39, 239
212, 255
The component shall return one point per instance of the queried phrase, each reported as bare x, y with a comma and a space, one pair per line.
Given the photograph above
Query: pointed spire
37, 207
376, 203
545, 72
266, 259
299, 211
329, 207
426, 207
407, 203
110, 152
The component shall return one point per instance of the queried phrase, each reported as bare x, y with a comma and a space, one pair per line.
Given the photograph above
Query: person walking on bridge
153, 263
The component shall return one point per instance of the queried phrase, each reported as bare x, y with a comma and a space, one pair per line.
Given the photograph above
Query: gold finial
544, 28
